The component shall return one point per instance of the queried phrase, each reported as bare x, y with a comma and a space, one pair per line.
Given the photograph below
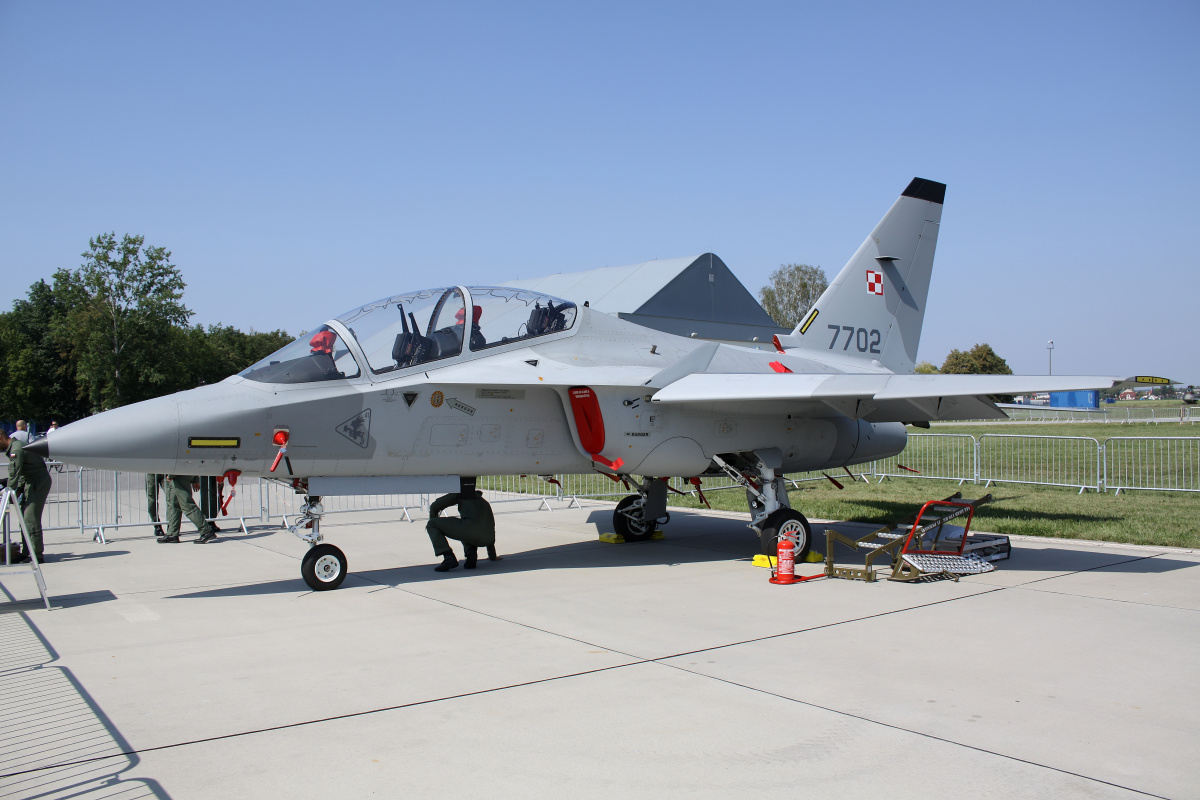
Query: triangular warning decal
533, 362
357, 429
410, 398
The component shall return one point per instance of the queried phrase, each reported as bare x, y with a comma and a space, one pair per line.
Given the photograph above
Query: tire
324, 567
787, 521
631, 526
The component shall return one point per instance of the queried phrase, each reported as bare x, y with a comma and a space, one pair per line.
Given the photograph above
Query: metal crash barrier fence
1163, 464
943, 456
1070, 461
93, 501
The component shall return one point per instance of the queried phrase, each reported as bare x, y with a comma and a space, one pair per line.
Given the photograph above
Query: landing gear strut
324, 566
637, 515
770, 513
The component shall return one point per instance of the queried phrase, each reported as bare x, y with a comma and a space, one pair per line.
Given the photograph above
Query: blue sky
300, 158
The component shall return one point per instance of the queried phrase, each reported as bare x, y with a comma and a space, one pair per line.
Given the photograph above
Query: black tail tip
922, 189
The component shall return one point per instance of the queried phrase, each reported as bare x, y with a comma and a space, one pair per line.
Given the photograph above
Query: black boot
472, 554
449, 562
491, 548
173, 539
158, 531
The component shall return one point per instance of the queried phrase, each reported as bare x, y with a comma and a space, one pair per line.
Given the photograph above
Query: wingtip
923, 189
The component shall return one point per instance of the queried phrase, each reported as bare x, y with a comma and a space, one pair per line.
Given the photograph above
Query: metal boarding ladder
928, 548
8, 498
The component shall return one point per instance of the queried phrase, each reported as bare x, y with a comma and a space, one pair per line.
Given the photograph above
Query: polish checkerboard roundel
875, 282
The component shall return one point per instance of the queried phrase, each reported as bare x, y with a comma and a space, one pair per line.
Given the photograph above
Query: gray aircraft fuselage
505, 410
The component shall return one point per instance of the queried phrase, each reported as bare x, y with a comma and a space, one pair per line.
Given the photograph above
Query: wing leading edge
873, 397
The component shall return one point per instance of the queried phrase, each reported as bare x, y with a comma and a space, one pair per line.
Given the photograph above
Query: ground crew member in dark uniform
28, 477
179, 503
474, 526
155, 483
210, 504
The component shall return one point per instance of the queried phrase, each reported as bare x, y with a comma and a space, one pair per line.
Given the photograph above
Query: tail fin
874, 308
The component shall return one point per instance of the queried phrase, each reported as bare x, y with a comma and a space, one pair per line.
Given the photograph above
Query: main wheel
324, 567
630, 522
785, 520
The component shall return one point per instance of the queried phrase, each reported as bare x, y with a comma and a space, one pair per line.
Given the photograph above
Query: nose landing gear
324, 566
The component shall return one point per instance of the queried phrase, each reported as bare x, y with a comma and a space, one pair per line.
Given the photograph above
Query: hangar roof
695, 295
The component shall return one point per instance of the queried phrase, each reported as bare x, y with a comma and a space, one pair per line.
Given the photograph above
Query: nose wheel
324, 567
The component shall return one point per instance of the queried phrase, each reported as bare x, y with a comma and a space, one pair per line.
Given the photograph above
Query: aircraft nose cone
143, 437
39, 448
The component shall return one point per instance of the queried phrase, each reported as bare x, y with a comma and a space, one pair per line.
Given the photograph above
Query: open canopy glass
417, 328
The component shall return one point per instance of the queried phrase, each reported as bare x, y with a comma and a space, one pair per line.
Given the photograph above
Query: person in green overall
180, 503
154, 484
474, 526
210, 504
28, 477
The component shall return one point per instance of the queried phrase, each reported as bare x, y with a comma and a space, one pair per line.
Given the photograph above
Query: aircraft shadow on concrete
689, 539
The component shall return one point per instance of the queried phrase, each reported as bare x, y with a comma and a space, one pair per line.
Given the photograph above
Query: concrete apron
649, 669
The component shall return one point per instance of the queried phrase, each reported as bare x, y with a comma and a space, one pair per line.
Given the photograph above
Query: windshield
317, 356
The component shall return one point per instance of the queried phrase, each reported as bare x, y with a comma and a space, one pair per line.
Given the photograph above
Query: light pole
1050, 356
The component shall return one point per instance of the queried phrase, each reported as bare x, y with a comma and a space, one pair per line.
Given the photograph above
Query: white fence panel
1073, 461
1168, 463
945, 456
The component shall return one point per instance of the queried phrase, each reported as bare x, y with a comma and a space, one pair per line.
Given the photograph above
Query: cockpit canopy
417, 328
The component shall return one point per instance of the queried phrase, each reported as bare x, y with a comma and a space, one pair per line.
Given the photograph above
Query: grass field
1149, 518
1147, 403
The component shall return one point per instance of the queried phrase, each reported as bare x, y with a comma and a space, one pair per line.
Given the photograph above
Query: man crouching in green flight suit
28, 477
475, 526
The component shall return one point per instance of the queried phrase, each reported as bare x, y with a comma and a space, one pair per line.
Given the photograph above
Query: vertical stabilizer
874, 308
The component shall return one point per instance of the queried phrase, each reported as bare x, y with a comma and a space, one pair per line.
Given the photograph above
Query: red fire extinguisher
785, 572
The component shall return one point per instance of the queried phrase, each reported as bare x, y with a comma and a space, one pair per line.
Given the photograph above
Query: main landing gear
637, 515
770, 513
324, 566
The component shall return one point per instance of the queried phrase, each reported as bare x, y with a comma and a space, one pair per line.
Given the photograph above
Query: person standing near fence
28, 477
179, 503
21, 434
155, 484
210, 502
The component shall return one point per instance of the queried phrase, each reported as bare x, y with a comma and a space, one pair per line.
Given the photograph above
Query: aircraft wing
873, 397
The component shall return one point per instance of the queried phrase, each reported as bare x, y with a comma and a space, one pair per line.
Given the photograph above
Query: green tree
925, 368
124, 301
214, 354
37, 381
793, 290
979, 360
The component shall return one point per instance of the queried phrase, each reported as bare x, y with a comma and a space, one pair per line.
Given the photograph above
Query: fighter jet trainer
413, 392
